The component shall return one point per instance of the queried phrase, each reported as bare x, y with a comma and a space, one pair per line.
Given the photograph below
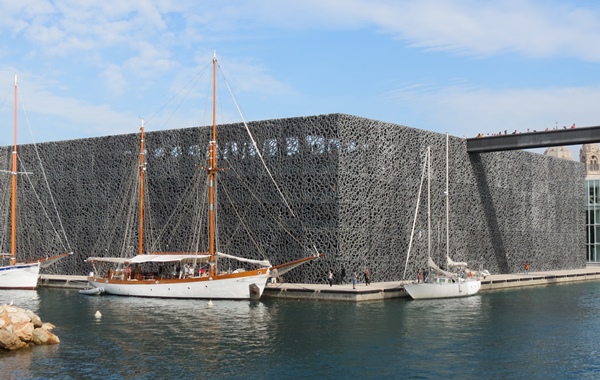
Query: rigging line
253, 194
256, 146
37, 153
6, 97
244, 224
189, 194
412, 232
194, 79
45, 211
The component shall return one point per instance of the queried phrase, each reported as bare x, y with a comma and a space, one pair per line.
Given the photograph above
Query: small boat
444, 284
91, 291
441, 283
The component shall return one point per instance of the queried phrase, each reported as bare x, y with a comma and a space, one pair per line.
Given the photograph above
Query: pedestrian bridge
530, 140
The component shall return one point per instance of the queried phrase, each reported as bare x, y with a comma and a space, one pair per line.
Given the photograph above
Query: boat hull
420, 291
235, 286
19, 276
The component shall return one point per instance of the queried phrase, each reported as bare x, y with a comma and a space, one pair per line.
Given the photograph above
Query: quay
376, 291
387, 290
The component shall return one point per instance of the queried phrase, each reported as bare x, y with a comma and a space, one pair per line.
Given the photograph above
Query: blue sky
94, 68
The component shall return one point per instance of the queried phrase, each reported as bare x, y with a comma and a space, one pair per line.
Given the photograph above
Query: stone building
352, 186
590, 155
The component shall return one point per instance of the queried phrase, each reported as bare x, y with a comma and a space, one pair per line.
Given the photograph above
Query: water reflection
543, 332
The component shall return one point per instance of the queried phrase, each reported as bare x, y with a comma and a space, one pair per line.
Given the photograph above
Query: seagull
11, 302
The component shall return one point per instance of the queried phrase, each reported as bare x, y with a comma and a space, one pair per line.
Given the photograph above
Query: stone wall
352, 185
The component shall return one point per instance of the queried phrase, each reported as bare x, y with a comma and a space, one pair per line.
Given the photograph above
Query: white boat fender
98, 314
210, 304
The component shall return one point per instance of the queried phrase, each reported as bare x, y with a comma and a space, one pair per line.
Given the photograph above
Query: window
593, 164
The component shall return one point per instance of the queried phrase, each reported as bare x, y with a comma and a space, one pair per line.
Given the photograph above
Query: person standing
342, 275
330, 277
354, 277
526, 268
367, 276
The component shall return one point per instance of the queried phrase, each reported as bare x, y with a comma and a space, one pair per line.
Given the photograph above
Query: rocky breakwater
21, 328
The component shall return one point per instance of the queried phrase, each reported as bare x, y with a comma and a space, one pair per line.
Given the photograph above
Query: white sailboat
129, 278
19, 274
441, 283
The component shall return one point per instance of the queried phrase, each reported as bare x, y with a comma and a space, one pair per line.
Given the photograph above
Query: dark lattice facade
351, 182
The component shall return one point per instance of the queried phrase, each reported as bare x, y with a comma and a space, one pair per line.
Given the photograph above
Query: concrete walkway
395, 289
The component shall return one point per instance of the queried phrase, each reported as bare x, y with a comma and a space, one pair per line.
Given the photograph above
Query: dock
376, 291
388, 290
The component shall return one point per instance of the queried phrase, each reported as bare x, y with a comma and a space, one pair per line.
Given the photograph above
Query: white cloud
468, 110
469, 27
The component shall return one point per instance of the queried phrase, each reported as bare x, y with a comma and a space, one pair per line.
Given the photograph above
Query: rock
21, 328
37, 322
47, 326
19, 315
24, 330
10, 341
41, 336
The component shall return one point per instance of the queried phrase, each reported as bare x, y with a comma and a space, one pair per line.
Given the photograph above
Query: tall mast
142, 173
13, 205
428, 201
212, 171
447, 205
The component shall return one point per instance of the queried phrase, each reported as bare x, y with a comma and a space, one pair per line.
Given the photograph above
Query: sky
96, 68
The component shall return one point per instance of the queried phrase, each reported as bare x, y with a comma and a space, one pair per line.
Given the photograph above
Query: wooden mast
142, 173
13, 205
212, 171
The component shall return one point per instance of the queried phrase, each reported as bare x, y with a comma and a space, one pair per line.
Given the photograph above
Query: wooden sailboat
19, 274
440, 283
129, 278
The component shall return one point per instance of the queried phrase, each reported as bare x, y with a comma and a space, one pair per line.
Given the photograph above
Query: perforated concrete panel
351, 182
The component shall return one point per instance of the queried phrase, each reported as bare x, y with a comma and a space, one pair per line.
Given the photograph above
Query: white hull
245, 285
20, 276
462, 288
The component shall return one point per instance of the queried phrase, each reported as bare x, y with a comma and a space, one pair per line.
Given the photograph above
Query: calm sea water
550, 332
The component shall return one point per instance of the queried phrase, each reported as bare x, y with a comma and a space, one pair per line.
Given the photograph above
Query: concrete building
352, 185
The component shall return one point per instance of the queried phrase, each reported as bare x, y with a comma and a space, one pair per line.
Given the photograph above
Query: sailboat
440, 283
19, 274
185, 274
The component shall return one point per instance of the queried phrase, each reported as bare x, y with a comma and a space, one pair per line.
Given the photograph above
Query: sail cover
455, 263
437, 269
140, 259
264, 263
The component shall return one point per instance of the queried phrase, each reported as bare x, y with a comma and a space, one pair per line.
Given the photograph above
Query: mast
428, 201
447, 205
142, 169
212, 171
13, 204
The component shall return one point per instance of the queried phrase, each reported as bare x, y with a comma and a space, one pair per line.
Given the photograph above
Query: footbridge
530, 140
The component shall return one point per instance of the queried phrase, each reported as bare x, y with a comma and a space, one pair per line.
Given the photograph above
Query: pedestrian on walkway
330, 278
354, 277
367, 276
526, 268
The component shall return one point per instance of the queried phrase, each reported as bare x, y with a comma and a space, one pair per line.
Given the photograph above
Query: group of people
342, 277
480, 135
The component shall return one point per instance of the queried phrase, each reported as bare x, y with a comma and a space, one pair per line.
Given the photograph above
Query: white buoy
210, 303
98, 314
